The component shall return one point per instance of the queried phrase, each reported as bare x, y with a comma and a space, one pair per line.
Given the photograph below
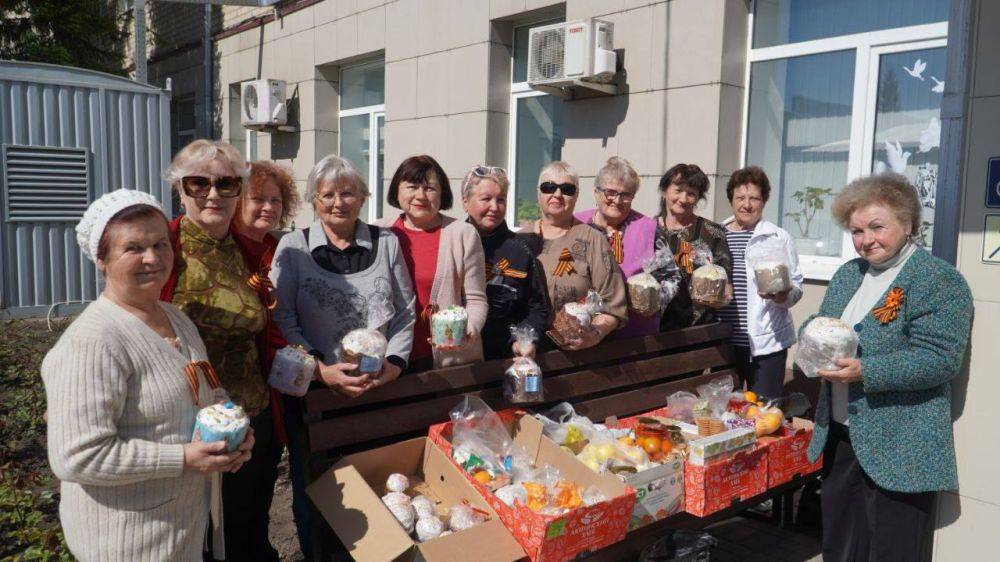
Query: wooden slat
372, 424
641, 400
454, 379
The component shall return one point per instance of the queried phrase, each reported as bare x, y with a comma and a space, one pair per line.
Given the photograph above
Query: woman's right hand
339, 378
209, 457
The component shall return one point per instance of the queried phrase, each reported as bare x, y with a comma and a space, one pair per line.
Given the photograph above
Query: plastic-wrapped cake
708, 284
364, 348
823, 341
292, 370
644, 294
772, 277
222, 422
448, 327
571, 320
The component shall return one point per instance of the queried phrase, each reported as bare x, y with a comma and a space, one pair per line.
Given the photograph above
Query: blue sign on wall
993, 183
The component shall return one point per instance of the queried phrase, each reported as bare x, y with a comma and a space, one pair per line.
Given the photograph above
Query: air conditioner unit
262, 103
575, 53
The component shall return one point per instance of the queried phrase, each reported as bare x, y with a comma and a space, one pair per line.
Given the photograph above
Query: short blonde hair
890, 190
203, 150
335, 169
559, 168
493, 174
281, 175
619, 170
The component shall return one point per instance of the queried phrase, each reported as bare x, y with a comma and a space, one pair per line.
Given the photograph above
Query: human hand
470, 337
524, 350
339, 378
849, 371
390, 372
211, 456
244, 450
779, 298
589, 337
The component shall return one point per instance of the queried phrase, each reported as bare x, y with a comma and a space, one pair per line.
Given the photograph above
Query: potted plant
809, 200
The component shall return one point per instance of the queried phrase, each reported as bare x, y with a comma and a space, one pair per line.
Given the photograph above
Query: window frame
519, 91
867, 47
374, 113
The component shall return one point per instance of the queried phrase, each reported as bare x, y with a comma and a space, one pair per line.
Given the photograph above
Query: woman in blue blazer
883, 420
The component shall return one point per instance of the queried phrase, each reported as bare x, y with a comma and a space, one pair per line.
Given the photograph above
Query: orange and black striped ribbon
261, 282
684, 258
503, 267
617, 246
428, 311
191, 373
565, 264
890, 310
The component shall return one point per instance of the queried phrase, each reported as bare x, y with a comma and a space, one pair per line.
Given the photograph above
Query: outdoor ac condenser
564, 53
263, 103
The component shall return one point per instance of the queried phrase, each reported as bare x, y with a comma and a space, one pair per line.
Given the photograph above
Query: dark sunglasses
549, 188
199, 186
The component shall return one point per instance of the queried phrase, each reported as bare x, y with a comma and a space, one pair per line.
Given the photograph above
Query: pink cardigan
460, 279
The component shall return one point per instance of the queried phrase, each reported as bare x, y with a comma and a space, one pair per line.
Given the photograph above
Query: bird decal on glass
938, 86
918, 69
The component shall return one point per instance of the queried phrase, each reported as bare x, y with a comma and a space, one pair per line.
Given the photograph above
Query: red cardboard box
724, 481
555, 538
786, 452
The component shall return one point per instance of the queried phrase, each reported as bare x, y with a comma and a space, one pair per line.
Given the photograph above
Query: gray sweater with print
316, 308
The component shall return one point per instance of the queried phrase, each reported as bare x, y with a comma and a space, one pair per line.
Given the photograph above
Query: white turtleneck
874, 285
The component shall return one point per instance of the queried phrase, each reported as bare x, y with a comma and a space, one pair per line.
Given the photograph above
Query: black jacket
513, 298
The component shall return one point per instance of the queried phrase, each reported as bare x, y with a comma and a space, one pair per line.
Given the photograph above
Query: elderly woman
120, 416
515, 288
632, 236
575, 257
762, 324
688, 235
883, 421
219, 281
444, 258
268, 202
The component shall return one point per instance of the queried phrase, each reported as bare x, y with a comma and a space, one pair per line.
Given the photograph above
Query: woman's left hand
244, 450
470, 337
523, 350
390, 372
850, 371
589, 337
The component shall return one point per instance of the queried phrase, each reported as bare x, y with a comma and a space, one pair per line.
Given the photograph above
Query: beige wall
448, 92
969, 519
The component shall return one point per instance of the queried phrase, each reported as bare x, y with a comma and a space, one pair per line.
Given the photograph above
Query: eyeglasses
487, 171
612, 194
329, 198
567, 189
199, 187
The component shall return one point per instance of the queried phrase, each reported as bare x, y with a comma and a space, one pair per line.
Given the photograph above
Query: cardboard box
548, 538
786, 452
726, 480
703, 449
349, 497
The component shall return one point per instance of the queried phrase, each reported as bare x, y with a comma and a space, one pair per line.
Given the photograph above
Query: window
535, 131
823, 109
184, 129
362, 111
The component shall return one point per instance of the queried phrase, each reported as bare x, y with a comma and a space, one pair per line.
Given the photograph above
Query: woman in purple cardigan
632, 237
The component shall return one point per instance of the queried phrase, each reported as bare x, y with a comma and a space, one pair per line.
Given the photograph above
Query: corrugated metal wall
123, 125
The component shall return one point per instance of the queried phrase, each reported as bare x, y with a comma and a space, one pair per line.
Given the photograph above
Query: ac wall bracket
569, 92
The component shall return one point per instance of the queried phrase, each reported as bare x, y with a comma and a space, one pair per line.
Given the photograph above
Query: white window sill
820, 268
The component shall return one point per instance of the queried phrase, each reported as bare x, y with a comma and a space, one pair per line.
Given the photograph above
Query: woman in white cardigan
762, 324
121, 410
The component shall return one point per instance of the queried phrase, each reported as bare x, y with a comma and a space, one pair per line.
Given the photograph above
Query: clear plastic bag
522, 382
480, 441
708, 285
771, 266
562, 425
605, 454
645, 293
291, 371
680, 406
716, 394
823, 341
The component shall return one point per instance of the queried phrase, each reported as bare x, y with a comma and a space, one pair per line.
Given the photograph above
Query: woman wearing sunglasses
681, 188
219, 281
515, 288
444, 258
574, 257
632, 236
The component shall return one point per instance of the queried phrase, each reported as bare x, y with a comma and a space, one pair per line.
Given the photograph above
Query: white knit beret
97, 215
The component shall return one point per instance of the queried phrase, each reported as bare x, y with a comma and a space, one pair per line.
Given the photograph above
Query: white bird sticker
897, 159
930, 137
938, 86
918, 69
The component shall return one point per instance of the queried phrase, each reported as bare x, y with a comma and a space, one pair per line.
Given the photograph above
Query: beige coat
460, 279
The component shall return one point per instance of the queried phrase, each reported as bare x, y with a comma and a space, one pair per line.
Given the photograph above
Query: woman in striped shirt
762, 324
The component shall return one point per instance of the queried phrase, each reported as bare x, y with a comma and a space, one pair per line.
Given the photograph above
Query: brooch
261, 283
503, 267
890, 310
565, 264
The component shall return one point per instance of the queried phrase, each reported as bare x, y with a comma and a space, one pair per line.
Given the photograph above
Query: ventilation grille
44, 183
548, 47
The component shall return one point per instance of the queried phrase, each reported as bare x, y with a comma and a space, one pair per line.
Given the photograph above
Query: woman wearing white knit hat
121, 411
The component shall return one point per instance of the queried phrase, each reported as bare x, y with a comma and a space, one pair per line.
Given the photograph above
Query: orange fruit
652, 446
752, 412
482, 477
666, 446
750, 396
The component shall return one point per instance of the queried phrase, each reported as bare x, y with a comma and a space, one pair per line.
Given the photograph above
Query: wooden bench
618, 378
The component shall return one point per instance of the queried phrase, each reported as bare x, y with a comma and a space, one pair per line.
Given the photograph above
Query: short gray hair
892, 191
335, 169
619, 170
472, 179
559, 168
203, 150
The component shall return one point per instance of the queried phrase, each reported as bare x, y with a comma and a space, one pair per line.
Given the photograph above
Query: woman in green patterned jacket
220, 282
883, 421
